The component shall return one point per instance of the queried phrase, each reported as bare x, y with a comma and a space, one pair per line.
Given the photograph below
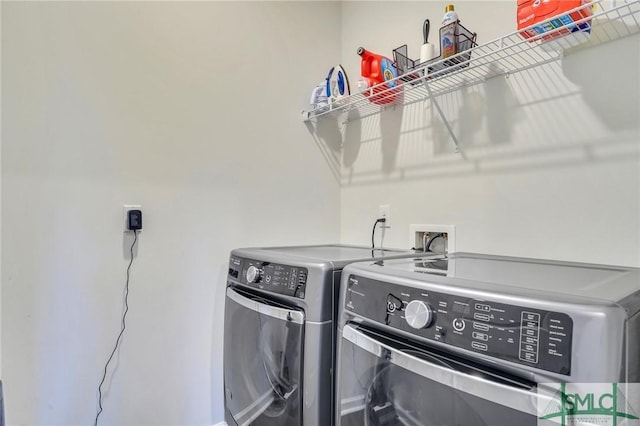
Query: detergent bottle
448, 30
377, 69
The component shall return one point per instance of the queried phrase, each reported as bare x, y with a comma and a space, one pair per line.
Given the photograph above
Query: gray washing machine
476, 340
279, 332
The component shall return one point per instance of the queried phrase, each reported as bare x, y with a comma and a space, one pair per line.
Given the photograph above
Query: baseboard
221, 424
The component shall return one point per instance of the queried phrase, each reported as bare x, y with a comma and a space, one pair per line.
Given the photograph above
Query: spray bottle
448, 31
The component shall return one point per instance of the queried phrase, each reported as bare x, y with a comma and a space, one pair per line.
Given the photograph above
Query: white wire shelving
506, 55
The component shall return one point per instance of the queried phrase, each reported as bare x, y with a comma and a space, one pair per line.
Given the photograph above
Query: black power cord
124, 326
373, 231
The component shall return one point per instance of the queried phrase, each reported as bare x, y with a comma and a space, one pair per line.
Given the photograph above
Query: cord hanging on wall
134, 225
373, 232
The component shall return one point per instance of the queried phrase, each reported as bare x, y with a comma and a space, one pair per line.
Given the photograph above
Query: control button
479, 346
458, 324
418, 314
480, 336
481, 317
254, 274
480, 326
530, 316
484, 308
529, 357
393, 303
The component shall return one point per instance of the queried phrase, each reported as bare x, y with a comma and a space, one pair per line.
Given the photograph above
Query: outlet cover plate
125, 210
384, 210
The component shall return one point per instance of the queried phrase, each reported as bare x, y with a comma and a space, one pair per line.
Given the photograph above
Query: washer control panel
272, 277
534, 337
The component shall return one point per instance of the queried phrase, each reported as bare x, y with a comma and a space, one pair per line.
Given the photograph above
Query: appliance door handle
498, 393
289, 315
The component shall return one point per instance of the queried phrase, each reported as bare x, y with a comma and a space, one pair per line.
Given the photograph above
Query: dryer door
385, 381
263, 343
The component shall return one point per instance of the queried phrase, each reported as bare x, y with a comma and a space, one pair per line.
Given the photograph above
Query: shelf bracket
442, 116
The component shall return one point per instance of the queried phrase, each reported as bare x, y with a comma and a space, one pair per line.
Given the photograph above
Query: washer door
388, 382
263, 343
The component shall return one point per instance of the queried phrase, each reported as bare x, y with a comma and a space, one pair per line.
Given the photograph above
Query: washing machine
477, 340
280, 331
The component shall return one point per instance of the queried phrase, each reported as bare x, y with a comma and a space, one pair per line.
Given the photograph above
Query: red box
551, 15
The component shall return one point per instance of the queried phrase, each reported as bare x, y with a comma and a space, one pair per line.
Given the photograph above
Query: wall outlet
125, 210
384, 211
421, 234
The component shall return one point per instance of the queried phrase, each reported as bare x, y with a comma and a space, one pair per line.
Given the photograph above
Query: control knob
418, 314
254, 274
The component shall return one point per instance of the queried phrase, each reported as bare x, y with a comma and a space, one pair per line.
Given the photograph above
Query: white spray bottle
448, 30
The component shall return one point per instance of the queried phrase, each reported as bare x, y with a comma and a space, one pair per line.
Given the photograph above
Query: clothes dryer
279, 332
477, 340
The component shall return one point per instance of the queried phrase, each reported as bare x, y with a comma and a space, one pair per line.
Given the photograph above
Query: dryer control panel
272, 277
533, 337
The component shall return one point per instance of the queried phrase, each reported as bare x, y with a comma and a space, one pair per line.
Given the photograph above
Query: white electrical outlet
384, 211
125, 210
417, 234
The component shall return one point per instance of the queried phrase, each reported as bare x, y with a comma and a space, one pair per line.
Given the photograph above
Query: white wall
190, 109
550, 165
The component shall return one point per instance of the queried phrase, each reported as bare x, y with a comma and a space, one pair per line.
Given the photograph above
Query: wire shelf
506, 55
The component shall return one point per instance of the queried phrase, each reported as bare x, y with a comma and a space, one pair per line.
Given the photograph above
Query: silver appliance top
611, 283
306, 276
338, 255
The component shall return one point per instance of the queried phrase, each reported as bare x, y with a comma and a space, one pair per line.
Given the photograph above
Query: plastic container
376, 70
448, 31
551, 18
450, 15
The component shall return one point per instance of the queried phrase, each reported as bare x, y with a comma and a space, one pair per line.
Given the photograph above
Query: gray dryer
279, 336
